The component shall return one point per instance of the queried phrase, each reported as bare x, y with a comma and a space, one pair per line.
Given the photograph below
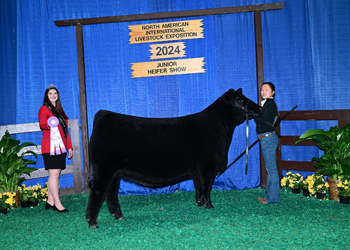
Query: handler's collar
263, 101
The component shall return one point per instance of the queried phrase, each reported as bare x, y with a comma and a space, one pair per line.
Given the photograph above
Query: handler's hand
70, 153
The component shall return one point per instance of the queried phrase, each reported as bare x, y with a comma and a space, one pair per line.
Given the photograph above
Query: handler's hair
272, 86
58, 110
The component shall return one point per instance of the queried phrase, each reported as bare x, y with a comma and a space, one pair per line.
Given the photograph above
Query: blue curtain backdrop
306, 55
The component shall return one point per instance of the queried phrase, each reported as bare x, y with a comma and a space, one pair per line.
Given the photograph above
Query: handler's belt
265, 135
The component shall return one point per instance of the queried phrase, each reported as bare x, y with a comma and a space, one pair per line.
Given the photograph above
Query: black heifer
157, 152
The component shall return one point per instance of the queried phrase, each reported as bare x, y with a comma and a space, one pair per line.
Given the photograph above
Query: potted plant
344, 190
335, 162
13, 164
24, 194
293, 181
7, 201
318, 186
309, 179
36, 195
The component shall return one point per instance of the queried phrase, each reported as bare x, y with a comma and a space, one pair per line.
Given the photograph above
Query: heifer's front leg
205, 187
198, 188
112, 199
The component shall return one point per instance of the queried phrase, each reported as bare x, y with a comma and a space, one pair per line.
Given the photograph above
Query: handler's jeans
269, 145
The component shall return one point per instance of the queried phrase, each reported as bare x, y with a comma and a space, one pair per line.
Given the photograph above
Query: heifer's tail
90, 174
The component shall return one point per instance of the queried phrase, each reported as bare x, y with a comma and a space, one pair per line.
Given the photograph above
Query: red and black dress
57, 161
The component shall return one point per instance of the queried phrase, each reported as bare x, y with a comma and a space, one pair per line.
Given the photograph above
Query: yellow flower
284, 181
327, 185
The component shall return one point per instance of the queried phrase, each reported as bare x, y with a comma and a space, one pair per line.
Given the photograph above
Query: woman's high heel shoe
48, 206
62, 211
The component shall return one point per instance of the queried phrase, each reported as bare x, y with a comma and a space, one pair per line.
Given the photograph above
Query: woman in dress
54, 152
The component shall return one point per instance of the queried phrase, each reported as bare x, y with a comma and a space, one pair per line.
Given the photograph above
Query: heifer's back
160, 151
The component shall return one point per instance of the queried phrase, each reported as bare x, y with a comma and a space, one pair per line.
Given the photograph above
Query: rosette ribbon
55, 137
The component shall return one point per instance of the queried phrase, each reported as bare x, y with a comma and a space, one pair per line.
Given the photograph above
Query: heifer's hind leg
99, 183
112, 199
95, 201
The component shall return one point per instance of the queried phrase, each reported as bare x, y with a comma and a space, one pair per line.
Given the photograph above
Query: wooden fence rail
341, 115
74, 169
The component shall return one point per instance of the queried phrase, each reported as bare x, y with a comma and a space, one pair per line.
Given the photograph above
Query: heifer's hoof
92, 224
118, 217
209, 206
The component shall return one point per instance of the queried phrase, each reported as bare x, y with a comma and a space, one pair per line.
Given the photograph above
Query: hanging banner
167, 50
166, 68
160, 32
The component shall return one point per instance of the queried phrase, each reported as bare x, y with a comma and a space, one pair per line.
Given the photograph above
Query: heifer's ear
228, 96
239, 90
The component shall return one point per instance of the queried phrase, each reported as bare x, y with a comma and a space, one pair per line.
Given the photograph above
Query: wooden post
260, 80
83, 109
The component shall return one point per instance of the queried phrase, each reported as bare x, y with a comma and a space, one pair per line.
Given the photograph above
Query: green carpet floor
175, 221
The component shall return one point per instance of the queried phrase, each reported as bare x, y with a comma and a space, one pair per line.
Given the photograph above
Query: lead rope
247, 145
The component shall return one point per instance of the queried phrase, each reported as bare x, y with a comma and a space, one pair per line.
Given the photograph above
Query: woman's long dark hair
58, 107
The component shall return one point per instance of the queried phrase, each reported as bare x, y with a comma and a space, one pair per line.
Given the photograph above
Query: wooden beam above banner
174, 14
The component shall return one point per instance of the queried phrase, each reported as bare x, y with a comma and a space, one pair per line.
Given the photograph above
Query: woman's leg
53, 188
268, 147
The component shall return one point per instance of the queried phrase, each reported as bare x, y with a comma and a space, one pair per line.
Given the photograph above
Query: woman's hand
70, 153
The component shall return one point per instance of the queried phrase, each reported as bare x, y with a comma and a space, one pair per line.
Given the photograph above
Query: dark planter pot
306, 192
25, 204
3, 211
296, 190
320, 195
33, 203
344, 199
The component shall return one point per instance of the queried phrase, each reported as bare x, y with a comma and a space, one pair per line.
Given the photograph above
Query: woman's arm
268, 116
44, 115
69, 144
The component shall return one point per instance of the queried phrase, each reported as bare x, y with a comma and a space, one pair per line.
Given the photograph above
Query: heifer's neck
228, 115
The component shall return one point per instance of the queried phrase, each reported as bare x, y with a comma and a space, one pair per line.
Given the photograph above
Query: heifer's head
242, 103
